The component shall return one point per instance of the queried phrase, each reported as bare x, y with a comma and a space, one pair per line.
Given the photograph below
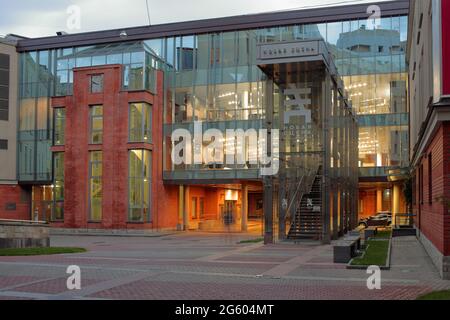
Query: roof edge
232, 23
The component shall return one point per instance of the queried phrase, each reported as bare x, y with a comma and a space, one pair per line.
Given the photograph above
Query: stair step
308, 223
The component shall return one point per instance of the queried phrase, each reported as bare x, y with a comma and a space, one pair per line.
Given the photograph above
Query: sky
38, 18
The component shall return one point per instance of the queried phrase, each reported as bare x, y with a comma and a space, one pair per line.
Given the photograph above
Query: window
139, 184
97, 83
96, 124
58, 186
430, 179
3, 144
4, 86
95, 185
194, 208
60, 125
421, 184
133, 71
140, 127
201, 208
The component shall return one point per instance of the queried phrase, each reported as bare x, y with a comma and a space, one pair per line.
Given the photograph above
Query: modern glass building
337, 76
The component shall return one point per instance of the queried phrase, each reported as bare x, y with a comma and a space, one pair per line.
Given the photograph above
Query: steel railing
404, 220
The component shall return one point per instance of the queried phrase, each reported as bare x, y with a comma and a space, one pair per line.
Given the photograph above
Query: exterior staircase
307, 222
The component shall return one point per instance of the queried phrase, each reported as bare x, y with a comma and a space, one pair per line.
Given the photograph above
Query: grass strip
252, 240
437, 295
39, 251
375, 254
383, 234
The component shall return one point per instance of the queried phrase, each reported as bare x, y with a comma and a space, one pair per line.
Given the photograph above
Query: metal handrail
310, 176
409, 216
294, 196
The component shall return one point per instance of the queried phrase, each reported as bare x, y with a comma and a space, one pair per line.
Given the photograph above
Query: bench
346, 249
370, 232
354, 238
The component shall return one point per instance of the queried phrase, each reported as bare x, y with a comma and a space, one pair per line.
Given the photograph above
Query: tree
408, 192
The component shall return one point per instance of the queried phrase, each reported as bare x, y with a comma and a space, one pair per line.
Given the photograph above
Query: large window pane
381, 146
58, 186
140, 128
96, 124
60, 124
139, 186
95, 185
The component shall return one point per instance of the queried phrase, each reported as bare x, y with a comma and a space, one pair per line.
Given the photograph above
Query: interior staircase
307, 221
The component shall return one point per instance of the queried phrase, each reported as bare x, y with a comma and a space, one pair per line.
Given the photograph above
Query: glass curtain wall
35, 116
214, 78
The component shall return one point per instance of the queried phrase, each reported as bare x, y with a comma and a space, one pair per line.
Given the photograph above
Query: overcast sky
36, 18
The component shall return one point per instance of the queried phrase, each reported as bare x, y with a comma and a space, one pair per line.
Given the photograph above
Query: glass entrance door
229, 212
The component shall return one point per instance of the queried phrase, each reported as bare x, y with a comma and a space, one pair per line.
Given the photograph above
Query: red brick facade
14, 203
115, 148
432, 191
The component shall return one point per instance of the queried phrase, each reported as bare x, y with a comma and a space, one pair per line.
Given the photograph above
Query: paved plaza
210, 266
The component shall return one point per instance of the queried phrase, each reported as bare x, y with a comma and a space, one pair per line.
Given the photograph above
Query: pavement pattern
194, 265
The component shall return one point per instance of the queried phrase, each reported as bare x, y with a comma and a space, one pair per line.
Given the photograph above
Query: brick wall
14, 203
115, 148
433, 216
446, 191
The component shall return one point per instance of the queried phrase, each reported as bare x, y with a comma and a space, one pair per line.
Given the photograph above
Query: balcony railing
404, 220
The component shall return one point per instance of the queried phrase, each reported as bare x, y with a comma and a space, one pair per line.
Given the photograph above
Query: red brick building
429, 49
114, 146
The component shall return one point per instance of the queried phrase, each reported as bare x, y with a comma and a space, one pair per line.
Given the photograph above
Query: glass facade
139, 185
225, 85
48, 73
35, 117
215, 78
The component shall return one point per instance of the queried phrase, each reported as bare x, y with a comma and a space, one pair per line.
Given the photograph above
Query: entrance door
229, 211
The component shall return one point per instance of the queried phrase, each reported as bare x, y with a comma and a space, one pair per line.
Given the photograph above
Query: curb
109, 234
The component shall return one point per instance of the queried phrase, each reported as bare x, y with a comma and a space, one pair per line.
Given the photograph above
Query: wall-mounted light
123, 34
231, 195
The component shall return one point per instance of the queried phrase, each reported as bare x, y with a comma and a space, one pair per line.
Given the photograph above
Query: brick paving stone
7, 281
189, 290
53, 286
197, 265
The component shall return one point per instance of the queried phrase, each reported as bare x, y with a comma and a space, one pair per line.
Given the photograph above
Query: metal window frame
102, 76
91, 122
149, 217
55, 118
5, 143
54, 201
91, 163
146, 112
